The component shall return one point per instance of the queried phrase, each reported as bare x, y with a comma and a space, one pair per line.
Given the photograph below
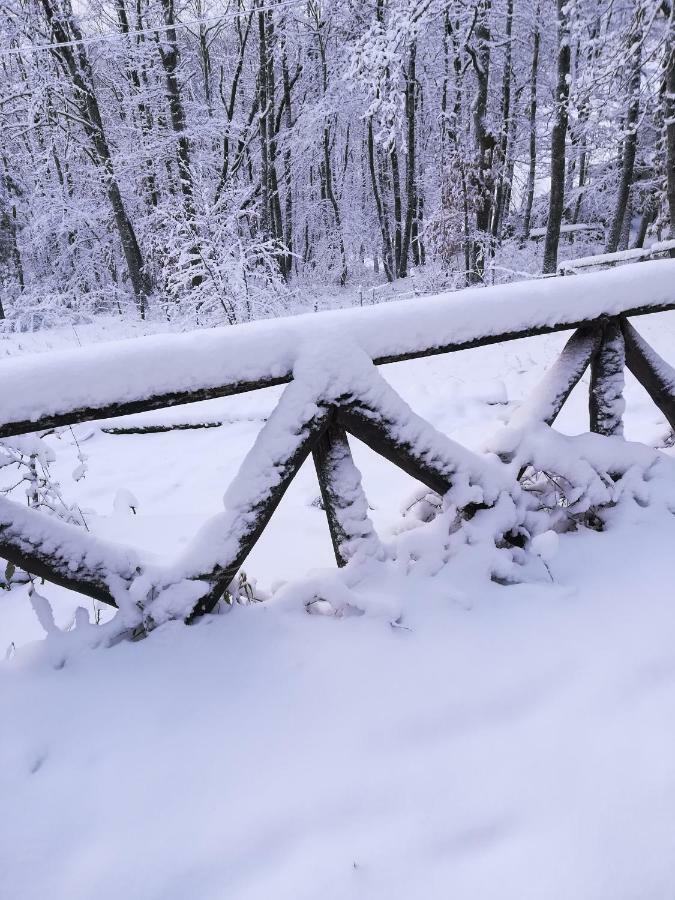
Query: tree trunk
410, 181
669, 102
205, 60
398, 207
170, 56
225, 171
582, 180
387, 261
417, 244
12, 193
503, 145
288, 204
76, 62
330, 195
138, 80
532, 117
621, 211
557, 197
484, 143
271, 218
455, 127
447, 32
505, 207
648, 214
593, 51
327, 168
263, 103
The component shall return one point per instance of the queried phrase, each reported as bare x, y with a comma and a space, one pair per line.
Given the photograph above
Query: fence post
655, 375
606, 403
343, 499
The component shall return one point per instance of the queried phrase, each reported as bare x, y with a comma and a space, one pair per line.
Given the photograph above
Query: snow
545, 545
432, 732
507, 742
43, 611
130, 371
124, 502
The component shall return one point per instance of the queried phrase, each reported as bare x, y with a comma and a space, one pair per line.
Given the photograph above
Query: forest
212, 162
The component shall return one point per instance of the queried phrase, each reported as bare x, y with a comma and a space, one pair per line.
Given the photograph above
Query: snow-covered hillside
461, 739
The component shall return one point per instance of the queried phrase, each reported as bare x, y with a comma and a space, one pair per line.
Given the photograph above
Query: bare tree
621, 216
72, 56
558, 137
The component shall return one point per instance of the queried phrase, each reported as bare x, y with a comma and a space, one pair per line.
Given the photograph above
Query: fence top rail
138, 374
568, 266
577, 228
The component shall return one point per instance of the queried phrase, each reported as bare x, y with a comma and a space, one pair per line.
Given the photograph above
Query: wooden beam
380, 435
147, 404
249, 523
606, 404
62, 553
550, 321
550, 395
177, 398
161, 429
344, 502
653, 372
41, 565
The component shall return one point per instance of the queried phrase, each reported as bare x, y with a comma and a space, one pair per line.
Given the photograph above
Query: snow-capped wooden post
653, 373
606, 403
343, 499
260, 484
550, 395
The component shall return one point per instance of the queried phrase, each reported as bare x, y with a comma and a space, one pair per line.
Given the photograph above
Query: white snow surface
134, 369
460, 738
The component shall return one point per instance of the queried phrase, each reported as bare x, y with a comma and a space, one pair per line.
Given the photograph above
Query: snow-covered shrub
213, 271
27, 460
35, 309
25, 466
446, 230
587, 479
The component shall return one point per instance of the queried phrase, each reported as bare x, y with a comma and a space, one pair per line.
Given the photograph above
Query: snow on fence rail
572, 266
140, 374
570, 230
335, 388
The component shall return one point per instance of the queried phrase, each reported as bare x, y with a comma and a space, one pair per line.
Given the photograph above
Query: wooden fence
329, 362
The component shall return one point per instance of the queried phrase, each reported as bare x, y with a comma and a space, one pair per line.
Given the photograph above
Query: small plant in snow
26, 461
13, 576
243, 591
28, 458
422, 505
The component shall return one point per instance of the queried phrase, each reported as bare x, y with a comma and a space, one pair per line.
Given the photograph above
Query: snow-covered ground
462, 739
